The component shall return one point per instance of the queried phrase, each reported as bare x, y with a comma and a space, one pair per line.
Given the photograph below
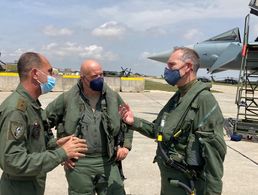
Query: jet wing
229, 54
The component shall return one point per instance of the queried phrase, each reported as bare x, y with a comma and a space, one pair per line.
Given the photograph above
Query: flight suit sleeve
144, 127
128, 138
15, 158
128, 133
49, 135
209, 124
55, 110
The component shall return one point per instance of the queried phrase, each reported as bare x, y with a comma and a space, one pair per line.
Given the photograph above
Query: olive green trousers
95, 175
20, 187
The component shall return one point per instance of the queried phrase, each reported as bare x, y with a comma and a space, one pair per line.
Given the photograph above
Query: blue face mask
49, 85
172, 76
97, 84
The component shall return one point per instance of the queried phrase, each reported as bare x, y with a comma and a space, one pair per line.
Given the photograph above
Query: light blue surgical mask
172, 76
49, 85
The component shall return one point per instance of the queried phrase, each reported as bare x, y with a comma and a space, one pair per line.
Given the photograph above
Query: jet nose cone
161, 57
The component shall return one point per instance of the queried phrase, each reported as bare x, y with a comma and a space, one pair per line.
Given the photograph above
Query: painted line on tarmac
248, 158
153, 99
132, 79
71, 76
9, 74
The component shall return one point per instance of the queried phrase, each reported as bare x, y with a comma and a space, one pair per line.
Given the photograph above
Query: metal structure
2, 65
125, 72
247, 91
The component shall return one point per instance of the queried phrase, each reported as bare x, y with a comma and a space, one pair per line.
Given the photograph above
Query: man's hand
63, 140
121, 153
126, 114
75, 147
68, 164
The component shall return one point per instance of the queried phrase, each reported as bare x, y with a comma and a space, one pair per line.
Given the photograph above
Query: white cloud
55, 31
156, 31
193, 35
17, 53
74, 49
97, 52
50, 46
165, 13
109, 29
145, 55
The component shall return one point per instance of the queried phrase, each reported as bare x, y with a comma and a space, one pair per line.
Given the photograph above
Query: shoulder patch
16, 130
21, 105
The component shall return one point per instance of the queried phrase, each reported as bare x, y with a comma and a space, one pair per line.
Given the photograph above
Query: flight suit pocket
212, 140
35, 130
193, 151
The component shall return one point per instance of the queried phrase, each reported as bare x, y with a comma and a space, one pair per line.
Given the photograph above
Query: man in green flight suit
189, 131
23, 139
90, 110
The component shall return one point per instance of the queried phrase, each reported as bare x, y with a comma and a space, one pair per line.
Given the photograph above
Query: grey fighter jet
218, 53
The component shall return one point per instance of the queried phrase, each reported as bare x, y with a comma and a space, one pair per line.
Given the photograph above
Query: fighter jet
219, 53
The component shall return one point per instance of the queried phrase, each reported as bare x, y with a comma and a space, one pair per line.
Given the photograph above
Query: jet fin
228, 55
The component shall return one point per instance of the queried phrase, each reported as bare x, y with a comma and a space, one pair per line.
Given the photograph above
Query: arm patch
16, 130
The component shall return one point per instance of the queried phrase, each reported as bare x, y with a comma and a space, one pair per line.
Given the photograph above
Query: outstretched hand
126, 114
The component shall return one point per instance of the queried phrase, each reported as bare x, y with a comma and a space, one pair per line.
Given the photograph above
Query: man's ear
189, 66
34, 74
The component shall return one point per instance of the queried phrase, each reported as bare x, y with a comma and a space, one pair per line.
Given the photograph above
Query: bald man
90, 111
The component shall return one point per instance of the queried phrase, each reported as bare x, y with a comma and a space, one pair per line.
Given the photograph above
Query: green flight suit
192, 136
23, 156
71, 113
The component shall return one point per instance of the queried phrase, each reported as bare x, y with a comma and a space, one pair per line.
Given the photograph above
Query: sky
116, 33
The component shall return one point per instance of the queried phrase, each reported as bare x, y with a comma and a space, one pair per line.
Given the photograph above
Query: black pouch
35, 130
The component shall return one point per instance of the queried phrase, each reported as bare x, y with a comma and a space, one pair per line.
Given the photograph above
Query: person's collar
22, 91
183, 89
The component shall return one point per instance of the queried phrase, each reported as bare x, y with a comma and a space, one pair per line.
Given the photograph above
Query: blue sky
117, 33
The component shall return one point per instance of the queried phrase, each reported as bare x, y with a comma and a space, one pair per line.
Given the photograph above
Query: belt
18, 178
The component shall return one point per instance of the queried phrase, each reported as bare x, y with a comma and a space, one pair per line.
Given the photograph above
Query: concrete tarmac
143, 178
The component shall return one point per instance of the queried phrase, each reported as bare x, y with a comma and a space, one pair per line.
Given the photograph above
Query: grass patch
153, 85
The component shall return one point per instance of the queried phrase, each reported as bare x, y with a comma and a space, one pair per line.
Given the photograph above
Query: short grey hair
189, 54
27, 62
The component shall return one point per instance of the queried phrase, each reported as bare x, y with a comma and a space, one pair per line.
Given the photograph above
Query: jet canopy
231, 35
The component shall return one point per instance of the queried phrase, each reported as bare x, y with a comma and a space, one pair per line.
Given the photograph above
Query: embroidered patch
16, 131
21, 105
